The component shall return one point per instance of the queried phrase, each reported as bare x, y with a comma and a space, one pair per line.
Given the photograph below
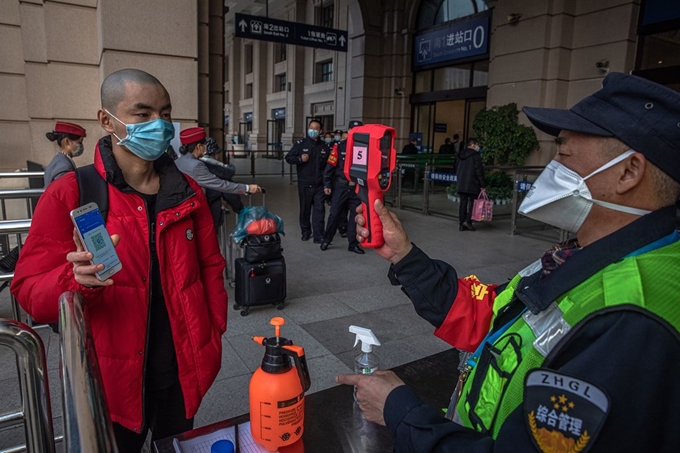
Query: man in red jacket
157, 323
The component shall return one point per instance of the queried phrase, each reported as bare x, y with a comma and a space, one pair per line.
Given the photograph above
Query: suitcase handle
250, 197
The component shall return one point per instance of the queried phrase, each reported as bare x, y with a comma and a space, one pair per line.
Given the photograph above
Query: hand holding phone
95, 258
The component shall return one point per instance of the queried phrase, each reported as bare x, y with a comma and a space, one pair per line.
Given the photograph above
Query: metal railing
35, 412
87, 426
7, 228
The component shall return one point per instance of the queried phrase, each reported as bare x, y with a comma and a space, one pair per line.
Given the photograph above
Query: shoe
469, 226
305, 237
356, 249
324, 246
343, 234
462, 228
318, 241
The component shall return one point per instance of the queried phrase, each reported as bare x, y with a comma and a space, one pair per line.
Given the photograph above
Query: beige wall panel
13, 106
217, 114
518, 67
88, 3
556, 94
559, 61
15, 146
527, 35
169, 25
545, 153
33, 33
66, 25
524, 93
357, 87
11, 53
203, 49
217, 71
203, 11
37, 2
527, 8
583, 60
9, 12
561, 31
615, 24
588, 6
39, 90
203, 100
580, 89
178, 75
75, 91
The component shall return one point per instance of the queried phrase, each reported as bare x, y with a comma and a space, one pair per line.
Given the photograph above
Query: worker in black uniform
310, 155
343, 199
342, 226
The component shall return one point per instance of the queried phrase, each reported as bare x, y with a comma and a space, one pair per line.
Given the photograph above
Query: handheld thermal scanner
369, 162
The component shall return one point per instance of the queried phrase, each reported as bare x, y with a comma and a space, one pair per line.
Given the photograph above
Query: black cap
642, 114
337, 131
211, 146
355, 123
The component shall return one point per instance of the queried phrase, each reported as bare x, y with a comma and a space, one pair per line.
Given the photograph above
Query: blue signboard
248, 117
462, 39
439, 176
279, 114
283, 31
524, 186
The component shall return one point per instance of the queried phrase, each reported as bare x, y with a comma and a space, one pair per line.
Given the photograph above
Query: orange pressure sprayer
277, 392
369, 162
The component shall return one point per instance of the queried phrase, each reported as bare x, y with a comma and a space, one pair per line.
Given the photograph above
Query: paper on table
201, 444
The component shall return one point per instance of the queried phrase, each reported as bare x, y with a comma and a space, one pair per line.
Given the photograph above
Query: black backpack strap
93, 188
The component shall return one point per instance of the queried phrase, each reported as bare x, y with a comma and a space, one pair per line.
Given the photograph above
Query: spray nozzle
366, 336
277, 323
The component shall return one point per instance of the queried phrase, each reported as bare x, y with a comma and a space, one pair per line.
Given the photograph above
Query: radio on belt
369, 163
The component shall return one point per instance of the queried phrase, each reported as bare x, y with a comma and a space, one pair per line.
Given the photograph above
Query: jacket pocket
497, 364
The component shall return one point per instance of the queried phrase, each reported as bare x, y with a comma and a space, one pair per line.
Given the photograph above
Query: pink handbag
482, 208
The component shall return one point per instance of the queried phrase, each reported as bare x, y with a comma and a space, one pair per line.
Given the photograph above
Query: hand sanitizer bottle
368, 361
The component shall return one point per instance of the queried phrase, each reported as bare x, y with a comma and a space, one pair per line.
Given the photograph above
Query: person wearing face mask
194, 147
157, 323
470, 174
69, 138
328, 138
337, 135
579, 351
310, 155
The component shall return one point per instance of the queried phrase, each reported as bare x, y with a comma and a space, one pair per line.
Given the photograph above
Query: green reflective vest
495, 387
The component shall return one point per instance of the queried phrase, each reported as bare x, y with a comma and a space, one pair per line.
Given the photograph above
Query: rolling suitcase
257, 284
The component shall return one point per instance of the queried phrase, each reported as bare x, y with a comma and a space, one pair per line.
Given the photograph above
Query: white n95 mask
560, 197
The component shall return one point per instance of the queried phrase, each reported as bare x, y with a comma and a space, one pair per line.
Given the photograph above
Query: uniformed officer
69, 138
338, 136
310, 155
344, 199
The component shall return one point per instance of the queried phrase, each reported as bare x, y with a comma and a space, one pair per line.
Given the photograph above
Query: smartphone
90, 226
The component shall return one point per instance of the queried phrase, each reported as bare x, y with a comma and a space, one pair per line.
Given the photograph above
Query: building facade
260, 95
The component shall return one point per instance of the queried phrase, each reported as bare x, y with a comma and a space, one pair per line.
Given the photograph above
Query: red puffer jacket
191, 274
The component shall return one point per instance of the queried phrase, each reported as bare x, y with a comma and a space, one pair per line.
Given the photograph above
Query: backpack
92, 187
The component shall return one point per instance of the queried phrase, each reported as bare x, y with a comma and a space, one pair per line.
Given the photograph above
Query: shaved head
113, 88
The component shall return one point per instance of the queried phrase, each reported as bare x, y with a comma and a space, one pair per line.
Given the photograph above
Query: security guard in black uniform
343, 199
310, 155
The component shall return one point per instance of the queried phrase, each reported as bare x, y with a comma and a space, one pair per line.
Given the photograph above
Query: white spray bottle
368, 361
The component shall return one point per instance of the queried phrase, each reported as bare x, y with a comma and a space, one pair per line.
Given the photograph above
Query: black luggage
262, 247
262, 283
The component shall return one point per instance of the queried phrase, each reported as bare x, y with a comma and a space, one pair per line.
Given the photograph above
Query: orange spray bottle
277, 392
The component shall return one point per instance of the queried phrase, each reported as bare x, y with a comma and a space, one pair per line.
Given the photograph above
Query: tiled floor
327, 292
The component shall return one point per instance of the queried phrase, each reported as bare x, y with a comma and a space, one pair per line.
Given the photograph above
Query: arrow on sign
342, 41
243, 25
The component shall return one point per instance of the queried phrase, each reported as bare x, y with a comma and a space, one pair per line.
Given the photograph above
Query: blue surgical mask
337, 138
313, 133
147, 140
328, 140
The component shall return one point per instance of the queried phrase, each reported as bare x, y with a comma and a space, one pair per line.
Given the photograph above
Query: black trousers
164, 415
465, 209
343, 200
312, 204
